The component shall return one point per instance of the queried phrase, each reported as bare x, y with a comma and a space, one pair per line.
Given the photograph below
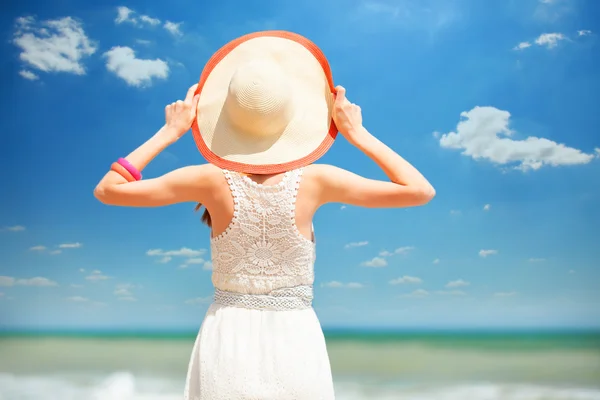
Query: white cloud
534, 260
81, 269
78, 299
183, 252
356, 244
457, 283
144, 42
165, 260
487, 207
505, 294
436, 261
123, 290
15, 228
349, 285
406, 279
53, 46
124, 14
571, 271
553, 10
412, 15
455, 212
136, 72
485, 253
76, 286
28, 75
149, 20
97, 275
208, 266
522, 46
173, 28
192, 261
354, 285
342, 207
199, 300
41, 248
404, 250
195, 261
69, 245
400, 250
597, 151
7, 281
483, 133
550, 40
127, 15
37, 281
419, 293
376, 262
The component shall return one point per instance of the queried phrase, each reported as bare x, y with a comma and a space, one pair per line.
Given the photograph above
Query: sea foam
126, 386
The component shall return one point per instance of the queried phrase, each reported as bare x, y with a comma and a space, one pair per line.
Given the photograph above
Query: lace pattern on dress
295, 298
262, 250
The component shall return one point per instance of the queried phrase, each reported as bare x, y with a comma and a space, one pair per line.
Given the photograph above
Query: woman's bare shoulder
202, 172
324, 173
321, 170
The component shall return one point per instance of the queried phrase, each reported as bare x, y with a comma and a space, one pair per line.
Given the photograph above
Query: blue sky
493, 101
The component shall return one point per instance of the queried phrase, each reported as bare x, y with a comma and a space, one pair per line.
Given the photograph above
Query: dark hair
205, 215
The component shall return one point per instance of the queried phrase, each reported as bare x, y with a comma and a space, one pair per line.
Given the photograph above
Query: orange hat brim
267, 168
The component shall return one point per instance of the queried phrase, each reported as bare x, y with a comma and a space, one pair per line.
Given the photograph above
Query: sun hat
265, 104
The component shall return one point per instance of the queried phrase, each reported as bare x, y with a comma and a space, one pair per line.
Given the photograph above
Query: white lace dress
261, 338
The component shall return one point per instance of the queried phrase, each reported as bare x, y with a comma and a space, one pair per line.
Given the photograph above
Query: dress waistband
294, 298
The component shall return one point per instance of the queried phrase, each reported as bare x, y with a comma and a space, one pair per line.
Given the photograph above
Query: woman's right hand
348, 117
180, 114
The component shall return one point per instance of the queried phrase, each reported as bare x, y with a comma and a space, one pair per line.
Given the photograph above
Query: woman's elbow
101, 194
418, 196
428, 194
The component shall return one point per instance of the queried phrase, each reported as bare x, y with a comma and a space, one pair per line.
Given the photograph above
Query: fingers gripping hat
265, 104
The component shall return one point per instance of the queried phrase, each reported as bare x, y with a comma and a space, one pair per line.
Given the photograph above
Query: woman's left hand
180, 114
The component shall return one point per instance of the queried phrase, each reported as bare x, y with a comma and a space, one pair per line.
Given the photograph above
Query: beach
366, 365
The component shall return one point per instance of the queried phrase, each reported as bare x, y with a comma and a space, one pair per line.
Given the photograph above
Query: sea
366, 365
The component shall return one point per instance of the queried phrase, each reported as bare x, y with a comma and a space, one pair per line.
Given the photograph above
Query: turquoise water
366, 365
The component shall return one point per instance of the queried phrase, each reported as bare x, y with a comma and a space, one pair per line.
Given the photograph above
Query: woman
262, 115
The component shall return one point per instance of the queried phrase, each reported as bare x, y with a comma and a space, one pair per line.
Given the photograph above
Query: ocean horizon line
329, 332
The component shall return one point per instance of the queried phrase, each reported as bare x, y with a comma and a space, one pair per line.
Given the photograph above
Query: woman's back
272, 345
261, 249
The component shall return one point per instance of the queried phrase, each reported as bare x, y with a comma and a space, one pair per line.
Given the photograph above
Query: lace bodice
262, 249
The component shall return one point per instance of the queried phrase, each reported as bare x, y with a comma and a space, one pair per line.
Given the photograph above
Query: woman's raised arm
182, 185
407, 187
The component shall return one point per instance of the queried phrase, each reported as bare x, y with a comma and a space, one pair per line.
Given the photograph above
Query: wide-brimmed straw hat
265, 104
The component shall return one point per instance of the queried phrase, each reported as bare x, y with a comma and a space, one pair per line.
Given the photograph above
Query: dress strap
289, 182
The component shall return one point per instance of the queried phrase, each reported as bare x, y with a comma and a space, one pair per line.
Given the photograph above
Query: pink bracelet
130, 168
